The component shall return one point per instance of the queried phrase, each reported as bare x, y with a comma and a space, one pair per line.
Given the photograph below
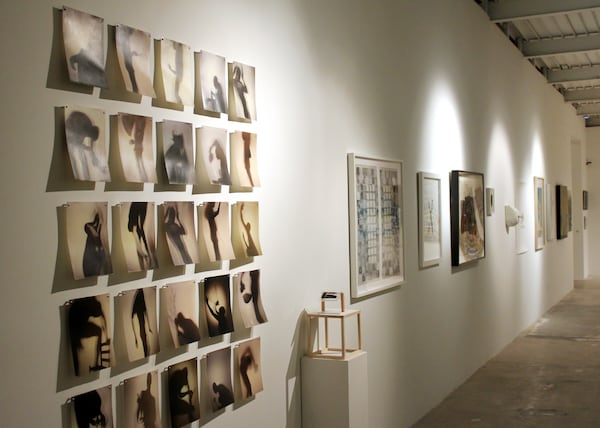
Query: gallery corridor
547, 377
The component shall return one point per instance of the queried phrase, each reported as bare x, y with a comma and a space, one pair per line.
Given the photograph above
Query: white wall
593, 186
432, 83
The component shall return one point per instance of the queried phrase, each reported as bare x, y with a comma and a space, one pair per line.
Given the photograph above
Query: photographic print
430, 238
140, 401
249, 367
467, 216
89, 334
213, 75
177, 65
87, 239
242, 94
137, 222
92, 409
247, 290
376, 224
562, 211
139, 322
184, 402
178, 147
84, 47
181, 302
538, 208
135, 55
245, 233
550, 212
218, 306
214, 227
85, 132
136, 148
218, 368
244, 164
211, 152
178, 218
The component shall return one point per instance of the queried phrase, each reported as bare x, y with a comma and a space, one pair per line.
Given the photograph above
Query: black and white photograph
242, 94
138, 322
217, 304
177, 65
178, 219
211, 153
135, 55
92, 409
178, 148
137, 222
90, 334
181, 303
84, 47
87, 239
85, 132
141, 407
244, 160
184, 403
213, 83
244, 230
247, 290
214, 228
136, 148
249, 368
218, 368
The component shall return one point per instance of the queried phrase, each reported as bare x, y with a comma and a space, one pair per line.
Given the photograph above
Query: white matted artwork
376, 224
135, 54
177, 66
213, 75
550, 212
430, 238
244, 163
539, 212
92, 408
136, 148
242, 94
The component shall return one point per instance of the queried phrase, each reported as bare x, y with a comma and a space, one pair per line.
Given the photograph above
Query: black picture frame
562, 211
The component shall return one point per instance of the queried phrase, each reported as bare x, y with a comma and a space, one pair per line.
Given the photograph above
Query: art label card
183, 392
249, 367
139, 322
177, 64
84, 47
214, 228
89, 333
135, 55
245, 230
87, 239
211, 153
430, 239
141, 407
178, 148
247, 291
85, 132
218, 368
539, 212
93, 408
218, 305
136, 148
213, 82
242, 93
244, 159
137, 222
181, 303
178, 219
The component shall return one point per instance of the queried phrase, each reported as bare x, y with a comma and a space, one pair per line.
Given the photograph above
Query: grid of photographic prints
157, 250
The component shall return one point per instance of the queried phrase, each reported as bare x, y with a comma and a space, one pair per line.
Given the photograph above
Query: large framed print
430, 238
539, 212
467, 217
376, 224
562, 211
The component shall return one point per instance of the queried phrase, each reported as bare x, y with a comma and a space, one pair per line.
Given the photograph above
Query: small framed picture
430, 238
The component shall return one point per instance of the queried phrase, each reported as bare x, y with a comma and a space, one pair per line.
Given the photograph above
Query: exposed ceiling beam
514, 10
588, 109
573, 74
580, 95
592, 121
550, 47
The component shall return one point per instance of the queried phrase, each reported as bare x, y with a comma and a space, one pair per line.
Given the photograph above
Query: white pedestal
335, 392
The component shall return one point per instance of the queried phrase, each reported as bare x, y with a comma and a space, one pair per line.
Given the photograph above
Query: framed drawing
430, 238
467, 216
539, 214
562, 211
376, 224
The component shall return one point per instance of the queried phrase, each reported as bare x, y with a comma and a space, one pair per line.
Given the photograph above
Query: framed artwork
430, 238
586, 198
550, 212
539, 214
467, 217
376, 224
562, 211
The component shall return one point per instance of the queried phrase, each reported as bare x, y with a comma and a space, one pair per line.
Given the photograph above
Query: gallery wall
593, 186
433, 84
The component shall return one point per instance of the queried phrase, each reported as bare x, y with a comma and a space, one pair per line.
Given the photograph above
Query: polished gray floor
549, 376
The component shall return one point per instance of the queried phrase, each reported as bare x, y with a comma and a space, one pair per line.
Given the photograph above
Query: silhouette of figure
218, 96
246, 361
95, 260
177, 160
216, 152
251, 249
241, 89
88, 72
137, 218
81, 135
254, 293
146, 406
180, 397
178, 69
174, 229
140, 311
225, 396
246, 136
83, 314
135, 127
220, 315
88, 410
211, 214
128, 55
187, 330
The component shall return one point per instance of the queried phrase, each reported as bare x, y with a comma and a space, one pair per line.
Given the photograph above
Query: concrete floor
549, 376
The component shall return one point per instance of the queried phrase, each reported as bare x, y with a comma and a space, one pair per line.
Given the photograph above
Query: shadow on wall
293, 391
